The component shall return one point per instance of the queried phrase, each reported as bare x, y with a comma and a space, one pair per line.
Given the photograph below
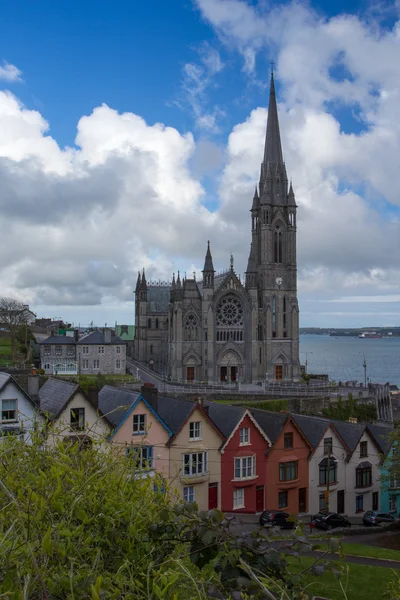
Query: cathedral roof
158, 298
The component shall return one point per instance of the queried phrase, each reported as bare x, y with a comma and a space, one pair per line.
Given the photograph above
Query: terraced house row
230, 457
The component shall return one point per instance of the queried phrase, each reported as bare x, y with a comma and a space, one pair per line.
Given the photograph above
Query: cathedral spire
208, 263
138, 282
144, 282
273, 148
208, 270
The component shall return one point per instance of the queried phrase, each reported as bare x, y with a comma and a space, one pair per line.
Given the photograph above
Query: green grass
273, 404
369, 551
361, 582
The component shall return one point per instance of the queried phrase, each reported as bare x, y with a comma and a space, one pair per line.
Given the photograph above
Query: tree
13, 314
78, 521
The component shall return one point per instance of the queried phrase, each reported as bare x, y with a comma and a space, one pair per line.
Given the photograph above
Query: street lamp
306, 364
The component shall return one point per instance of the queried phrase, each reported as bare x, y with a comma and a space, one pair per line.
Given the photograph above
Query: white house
71, 413
19, 414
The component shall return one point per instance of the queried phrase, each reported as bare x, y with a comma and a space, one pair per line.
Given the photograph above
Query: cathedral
220, 329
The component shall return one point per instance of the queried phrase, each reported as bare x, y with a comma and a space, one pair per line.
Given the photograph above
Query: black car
329, 521
276, 518
373, 517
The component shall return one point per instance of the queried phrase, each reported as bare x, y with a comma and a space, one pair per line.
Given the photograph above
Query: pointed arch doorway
230, 367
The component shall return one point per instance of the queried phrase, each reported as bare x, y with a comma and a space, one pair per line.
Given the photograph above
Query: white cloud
197, 78
9, 72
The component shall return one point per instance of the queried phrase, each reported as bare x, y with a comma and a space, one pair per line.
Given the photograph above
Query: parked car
329, 521
373, 517
276, 518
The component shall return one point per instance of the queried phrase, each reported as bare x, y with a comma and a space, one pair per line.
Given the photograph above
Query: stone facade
222, 329
97, 352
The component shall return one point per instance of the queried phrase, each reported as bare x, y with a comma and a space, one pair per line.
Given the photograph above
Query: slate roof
271, 423
313, 428
158, 298
382, 435
59, 339
114, 402
225, 416
174, 411
97, 337
55, 394
4, 378
349, 432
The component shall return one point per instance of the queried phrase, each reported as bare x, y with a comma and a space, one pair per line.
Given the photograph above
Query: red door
212, 496
259, 498
190, 374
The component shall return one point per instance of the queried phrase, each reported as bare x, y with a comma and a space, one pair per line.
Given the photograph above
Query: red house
287, 469
243, 459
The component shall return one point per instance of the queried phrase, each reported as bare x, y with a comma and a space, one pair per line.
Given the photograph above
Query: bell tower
273, 258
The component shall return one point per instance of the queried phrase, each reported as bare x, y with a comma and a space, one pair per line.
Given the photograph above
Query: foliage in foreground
75, 523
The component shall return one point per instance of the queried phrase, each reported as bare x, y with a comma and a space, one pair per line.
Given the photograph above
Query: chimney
93, 395
107, 335
33, 385
150, 393
76, 335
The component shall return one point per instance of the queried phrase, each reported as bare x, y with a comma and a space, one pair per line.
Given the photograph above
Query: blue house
390, 487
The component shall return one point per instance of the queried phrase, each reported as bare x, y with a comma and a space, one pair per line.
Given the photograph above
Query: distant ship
370, 334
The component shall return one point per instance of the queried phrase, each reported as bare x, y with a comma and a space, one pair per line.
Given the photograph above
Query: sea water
342, 358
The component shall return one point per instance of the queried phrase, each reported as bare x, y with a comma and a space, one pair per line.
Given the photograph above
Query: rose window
229, 311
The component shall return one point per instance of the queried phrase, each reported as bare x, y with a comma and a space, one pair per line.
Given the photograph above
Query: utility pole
365, 372
328, 478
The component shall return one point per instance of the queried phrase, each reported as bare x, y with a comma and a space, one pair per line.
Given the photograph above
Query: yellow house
175, 438
71, 413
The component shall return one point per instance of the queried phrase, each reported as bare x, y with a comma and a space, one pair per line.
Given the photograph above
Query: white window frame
195, 431
146, 462
58, 351
244, 467
244, 436
85, 349
238, 498
85, 364
118, 349
47, 350
195, 464
139, 424
101, 349
96, 363
118, 363
189, 493
15, 419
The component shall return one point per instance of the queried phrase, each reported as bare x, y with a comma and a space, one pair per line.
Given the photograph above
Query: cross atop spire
273, 148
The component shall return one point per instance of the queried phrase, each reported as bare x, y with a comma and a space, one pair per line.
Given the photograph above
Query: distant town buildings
97, 352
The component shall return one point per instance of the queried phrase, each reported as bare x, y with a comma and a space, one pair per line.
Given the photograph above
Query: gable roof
59, 339
6, 378
114, 403
174, 411
225, 416
55, 394
97, 337
270, 422
149, 407
313, 428
350, 433
381, 436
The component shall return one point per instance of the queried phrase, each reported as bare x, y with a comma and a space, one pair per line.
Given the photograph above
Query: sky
132, 132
